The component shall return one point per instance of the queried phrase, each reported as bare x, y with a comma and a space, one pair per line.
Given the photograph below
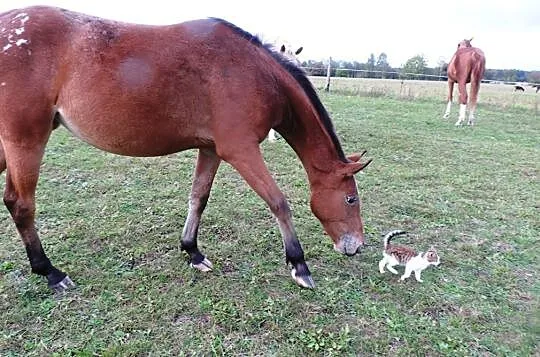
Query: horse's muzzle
349, 245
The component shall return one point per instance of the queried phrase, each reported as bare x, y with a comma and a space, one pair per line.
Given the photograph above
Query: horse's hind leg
23, 163
475, 87
462, 86
449, 102
205, 171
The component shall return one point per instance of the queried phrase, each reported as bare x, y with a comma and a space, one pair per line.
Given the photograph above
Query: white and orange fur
400, 255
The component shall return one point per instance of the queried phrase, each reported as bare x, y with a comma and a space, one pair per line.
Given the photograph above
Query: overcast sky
507, 31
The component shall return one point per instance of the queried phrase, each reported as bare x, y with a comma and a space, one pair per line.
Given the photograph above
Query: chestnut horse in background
287, 52
466, 66
143, 90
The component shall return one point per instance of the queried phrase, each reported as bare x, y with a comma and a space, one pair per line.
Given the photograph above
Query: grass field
500, 95
113, 224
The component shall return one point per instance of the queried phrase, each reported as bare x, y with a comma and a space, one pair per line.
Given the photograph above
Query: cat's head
432, 257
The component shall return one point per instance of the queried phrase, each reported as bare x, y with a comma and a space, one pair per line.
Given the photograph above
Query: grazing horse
466, 66
143, 90
292, 56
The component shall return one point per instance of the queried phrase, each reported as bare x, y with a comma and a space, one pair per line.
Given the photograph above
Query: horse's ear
353, 167
282, 49
356, 156
299, 50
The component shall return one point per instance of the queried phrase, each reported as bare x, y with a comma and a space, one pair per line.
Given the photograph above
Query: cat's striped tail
388, 236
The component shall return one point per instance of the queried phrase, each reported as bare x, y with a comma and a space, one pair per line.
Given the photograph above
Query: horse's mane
299, 75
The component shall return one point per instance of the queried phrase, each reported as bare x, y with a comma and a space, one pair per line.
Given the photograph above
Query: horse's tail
388, 236
477, 73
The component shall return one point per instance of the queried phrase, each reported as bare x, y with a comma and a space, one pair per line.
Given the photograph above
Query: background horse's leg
205, 171
2, 159
475, 87
250, 164
449, 102
272, 136
23, 163
462, 86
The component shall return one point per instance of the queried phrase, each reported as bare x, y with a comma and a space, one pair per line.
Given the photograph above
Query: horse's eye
351, 200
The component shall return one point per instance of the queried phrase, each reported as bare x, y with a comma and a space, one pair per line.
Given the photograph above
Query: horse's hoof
62, 285
303, 281
203, 266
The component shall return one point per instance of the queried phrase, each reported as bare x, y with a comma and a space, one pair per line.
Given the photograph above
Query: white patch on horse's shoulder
21, 41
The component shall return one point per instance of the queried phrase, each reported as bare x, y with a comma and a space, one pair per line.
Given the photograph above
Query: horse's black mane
300, 77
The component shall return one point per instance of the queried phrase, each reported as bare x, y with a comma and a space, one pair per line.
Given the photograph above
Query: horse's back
135, 89
466, 61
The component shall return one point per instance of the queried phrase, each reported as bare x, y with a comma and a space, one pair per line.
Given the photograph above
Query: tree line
415, 68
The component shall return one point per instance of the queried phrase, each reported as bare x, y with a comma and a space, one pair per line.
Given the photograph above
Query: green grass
113, 223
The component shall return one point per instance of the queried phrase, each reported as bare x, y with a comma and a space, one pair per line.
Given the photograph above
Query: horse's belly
132, 135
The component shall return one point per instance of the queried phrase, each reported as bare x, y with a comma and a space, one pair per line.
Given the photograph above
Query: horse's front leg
205, 171
250, 164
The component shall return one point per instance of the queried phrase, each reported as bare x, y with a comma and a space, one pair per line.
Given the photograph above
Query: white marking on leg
471, 117
447, 112
417, 275
462, 112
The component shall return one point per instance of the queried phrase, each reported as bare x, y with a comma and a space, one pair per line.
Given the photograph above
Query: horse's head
335, 202
464, 43
291, 54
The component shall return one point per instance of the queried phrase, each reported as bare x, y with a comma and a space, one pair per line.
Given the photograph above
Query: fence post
327, 87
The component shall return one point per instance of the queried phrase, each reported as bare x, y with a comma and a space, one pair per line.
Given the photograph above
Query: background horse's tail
477, 73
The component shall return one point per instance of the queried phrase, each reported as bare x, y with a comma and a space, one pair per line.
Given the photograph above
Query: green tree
414, 65
371, 65
382, 64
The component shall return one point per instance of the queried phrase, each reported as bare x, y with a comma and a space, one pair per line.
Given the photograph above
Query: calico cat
401, 255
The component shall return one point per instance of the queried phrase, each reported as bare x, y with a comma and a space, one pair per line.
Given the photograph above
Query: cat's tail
388, 236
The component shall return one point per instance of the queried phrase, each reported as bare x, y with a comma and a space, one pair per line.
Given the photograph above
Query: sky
507, 31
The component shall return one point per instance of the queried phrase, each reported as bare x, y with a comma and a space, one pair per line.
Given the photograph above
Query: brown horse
466, 66
155, 90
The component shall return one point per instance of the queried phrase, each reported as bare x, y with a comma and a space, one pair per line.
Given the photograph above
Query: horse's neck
312, 144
